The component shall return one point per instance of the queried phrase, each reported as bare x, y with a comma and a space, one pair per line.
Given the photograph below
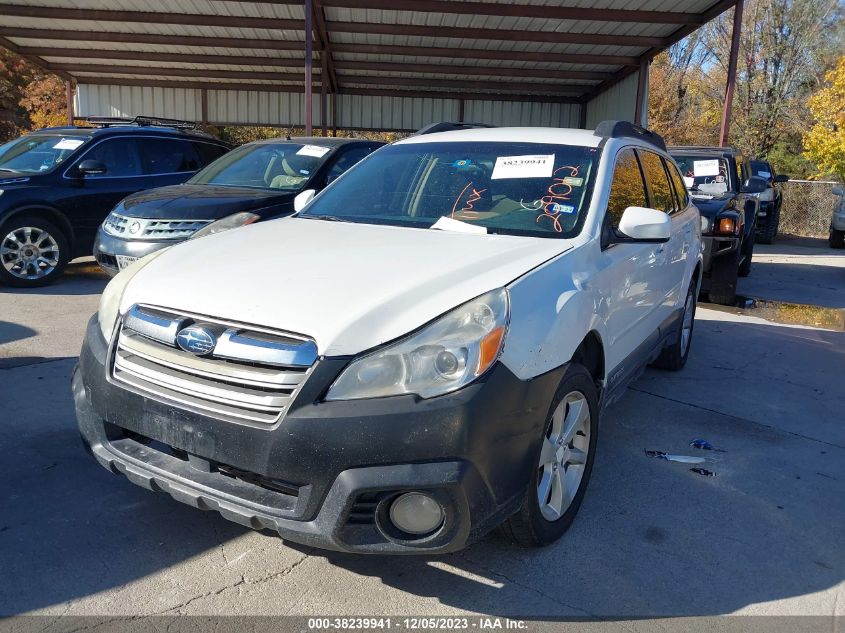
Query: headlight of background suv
445, 355
110, 299
115, 224
229, 222
705, 224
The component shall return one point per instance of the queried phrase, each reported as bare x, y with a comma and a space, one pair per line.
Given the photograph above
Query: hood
201, 202
350, 287
711, 205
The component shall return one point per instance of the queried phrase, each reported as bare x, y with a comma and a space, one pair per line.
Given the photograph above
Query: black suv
255, 182
768, 215
58, 184
723, 187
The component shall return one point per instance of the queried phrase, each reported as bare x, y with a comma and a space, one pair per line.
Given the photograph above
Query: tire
836, 239
723, 275
33, 252
534, 525
674, 357
768, 235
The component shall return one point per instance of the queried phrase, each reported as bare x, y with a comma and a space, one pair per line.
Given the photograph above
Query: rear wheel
33, 252
748, 253
836, 239
675, 356
723, 277
564, 461
767, 235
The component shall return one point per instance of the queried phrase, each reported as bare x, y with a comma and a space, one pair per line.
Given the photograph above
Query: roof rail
626, 129
141, 121
446, 126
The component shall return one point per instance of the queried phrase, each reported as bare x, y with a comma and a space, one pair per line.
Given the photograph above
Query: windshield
513, 188
704, 174
282, 166
38, 153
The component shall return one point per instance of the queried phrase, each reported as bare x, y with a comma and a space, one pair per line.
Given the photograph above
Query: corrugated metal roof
563, 47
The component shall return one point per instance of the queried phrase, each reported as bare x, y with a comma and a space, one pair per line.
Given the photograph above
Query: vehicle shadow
10, 332
652, 538
81, 277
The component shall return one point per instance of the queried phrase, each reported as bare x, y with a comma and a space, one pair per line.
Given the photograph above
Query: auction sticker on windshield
530, 166
313, 150
68, 143
705, 167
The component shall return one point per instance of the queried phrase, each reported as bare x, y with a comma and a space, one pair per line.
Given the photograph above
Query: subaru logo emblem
196, 340
134, 227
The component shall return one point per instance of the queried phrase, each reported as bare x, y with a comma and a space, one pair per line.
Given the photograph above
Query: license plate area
125, 260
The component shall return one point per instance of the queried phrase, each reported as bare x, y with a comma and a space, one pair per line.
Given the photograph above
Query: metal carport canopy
384, 64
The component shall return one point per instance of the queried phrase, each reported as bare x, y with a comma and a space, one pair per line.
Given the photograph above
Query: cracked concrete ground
764, 536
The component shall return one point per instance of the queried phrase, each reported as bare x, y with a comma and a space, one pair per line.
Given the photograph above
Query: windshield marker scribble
552, 200
467, 211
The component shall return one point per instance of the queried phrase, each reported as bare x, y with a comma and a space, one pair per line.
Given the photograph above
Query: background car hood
349, 286
200, 202
710, 207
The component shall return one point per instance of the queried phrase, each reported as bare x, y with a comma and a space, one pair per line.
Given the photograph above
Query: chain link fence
807, 207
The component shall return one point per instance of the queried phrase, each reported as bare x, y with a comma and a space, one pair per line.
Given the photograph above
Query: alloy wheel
29, 252
563, 457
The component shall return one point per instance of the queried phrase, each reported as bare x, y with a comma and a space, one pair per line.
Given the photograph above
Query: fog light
416, 513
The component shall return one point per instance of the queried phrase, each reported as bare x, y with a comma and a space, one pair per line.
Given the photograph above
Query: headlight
445, 355
1, 192
705, 224
229, 222
115, 224
110, 299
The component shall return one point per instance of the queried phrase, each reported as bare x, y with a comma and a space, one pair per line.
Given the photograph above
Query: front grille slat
238, 389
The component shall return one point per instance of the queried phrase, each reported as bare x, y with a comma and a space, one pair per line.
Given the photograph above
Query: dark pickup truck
722, 186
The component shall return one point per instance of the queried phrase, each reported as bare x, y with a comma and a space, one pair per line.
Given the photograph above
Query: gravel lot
764, 536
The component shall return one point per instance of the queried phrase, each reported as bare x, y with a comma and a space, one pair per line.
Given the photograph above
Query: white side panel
173, 103
522, 114
392, 113
620, 102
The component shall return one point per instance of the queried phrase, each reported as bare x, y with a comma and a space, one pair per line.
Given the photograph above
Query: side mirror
838, 191
640, 224
302, 199
755, 185
91, 167
781, 178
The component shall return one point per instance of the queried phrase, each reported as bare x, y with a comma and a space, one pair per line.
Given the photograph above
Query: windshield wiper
327, 218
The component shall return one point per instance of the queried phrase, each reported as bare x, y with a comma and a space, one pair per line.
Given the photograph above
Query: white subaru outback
421, 354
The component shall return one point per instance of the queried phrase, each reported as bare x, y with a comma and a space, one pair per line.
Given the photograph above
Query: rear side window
208, 152
168, 156
120, 156
627, 188
659, 189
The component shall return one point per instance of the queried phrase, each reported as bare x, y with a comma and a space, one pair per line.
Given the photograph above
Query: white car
836, 238
420, 354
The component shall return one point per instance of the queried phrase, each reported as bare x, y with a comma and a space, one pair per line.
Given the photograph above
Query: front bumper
715, 248
838, 221
107, 247
325, 473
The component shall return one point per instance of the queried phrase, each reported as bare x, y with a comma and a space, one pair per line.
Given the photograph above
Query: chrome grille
249, 375
147, 228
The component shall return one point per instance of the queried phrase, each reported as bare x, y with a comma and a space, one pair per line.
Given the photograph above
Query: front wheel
836, 239
33, 252
564, 461
723, 278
